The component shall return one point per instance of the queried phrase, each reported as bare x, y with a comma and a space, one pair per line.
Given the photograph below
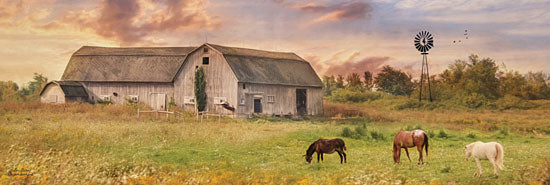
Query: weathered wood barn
247, 80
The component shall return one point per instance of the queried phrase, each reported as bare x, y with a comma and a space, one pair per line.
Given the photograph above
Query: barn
245, 80
63, 92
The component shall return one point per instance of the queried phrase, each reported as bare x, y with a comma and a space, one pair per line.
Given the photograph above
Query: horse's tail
344, 146
500, 156
426, 144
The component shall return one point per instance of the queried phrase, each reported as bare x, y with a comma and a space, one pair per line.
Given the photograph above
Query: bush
513, 102
443, 134
474, 101
361, 131
471, 135
431, 134
504, 131
346, 132
351, 96
377, 135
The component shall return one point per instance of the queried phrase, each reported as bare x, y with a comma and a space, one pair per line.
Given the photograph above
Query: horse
408, 139
326, 146
491, 151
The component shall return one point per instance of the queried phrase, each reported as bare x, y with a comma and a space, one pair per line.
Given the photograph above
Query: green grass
94, 146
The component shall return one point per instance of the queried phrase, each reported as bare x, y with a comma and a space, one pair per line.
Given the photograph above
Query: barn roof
266, 67
70, 88
137, 64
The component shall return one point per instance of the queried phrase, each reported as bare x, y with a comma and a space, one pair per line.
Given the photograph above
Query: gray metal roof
69, 88
266, 67
105, 64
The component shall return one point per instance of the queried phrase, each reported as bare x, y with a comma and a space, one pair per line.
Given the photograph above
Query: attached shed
62, 92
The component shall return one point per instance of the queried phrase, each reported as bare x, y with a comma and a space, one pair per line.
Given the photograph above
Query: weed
446, 170
471, 135
377, 135
346, 132
443, 134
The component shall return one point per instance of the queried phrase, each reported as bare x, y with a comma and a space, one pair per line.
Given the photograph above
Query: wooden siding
285, 99
52, 94
220, 80
124, 90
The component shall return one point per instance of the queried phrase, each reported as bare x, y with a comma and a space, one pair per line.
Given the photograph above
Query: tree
329, 85
340, 82
32, 91
9, 91
367, 77
354, 81
512, 83
200, 89
394, 81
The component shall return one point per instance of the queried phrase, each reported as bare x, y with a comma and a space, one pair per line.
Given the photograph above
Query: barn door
301, 101
257, 105
157, 101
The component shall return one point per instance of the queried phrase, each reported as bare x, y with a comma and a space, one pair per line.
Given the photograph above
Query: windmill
423, 43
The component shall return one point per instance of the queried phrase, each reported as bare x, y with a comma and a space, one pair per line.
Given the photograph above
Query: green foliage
354, 81
474, 100
361, 131
377, 135
442, 134
340, 81
200, 89
394, 81
346, 132
329, 85
353, 96
446, 170
471, 135
10, 91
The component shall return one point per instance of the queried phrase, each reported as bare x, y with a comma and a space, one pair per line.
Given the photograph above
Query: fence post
138, 112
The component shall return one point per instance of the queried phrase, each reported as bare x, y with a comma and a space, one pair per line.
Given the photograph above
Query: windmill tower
423, 43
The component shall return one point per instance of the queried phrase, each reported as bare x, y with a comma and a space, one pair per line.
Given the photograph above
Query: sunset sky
335, 36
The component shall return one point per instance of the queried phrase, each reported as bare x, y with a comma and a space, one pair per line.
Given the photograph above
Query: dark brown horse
408, 139
326, 146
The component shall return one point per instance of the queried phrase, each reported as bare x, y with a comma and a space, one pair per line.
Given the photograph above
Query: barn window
244, 86
205, 60
189, 100
106, 98
270, 99
242, 101
205, 50
134, 99
219, 100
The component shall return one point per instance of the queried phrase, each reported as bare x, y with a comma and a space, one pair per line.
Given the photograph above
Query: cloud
343, 11
372, 64
130, 22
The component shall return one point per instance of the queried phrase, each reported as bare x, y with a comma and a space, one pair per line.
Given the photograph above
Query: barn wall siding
52, 94
285, 99
220, 80
96, 90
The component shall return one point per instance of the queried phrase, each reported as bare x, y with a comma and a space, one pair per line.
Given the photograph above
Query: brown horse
326, 146
408, 139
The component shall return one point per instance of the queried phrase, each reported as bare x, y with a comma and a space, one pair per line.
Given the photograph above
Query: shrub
446, 170
443, 134
346, 132
504, 131
377, 135
471, 135
474, 100
361, 131
354, 96
431, 134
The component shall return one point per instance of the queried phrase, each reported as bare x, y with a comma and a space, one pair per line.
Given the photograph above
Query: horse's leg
322, 159
420, 158
492, 160
345, 157
478, 162
407, 151
398, 155
341, 158
318, 156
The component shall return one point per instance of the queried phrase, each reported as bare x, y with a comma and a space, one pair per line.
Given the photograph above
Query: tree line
474, 81
10, 91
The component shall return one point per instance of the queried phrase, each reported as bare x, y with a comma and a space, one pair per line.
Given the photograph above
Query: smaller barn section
63, 92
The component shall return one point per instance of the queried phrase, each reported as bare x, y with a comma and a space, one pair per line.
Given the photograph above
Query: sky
335, 36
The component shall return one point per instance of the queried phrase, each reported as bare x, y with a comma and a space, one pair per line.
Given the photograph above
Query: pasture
86, 144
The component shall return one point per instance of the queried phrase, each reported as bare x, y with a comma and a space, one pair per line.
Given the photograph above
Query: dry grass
86, 144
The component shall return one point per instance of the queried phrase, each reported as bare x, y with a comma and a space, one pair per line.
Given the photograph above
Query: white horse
491, 151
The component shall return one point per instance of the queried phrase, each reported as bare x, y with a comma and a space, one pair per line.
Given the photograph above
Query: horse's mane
311, 149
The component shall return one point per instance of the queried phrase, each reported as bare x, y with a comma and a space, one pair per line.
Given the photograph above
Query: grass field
85, 144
